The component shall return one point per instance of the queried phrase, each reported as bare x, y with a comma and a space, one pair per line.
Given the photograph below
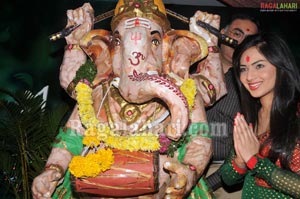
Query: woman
267, 134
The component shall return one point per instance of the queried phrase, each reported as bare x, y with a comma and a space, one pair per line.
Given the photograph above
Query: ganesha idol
139, 127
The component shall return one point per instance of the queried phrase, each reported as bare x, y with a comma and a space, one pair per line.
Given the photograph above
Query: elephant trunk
142, 87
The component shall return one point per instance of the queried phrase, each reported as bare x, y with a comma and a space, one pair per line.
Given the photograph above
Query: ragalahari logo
278, 7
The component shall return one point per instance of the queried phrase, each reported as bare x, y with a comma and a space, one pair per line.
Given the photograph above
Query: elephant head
144, 59
145, 55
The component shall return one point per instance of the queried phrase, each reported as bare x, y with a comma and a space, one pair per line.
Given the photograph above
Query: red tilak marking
137, 22
247, 58
136, 36
248, 29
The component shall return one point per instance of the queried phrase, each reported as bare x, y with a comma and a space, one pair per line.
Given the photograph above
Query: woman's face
257, 74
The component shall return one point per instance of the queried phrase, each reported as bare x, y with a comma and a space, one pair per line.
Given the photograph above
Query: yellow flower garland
189, 90
97, 132
92, 164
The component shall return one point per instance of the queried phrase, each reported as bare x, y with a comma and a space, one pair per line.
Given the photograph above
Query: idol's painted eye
155, 42
156, 38
116, 41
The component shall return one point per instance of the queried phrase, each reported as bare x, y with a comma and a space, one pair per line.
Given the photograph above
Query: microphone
223, 38
63, 33
66, 31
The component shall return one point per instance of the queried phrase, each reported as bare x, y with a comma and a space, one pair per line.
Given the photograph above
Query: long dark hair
284, 126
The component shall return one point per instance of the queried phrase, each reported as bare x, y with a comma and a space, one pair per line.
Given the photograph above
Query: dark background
26, 25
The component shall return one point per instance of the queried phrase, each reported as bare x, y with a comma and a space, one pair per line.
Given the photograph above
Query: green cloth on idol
199, 128
201, 190
71, 141
195, 129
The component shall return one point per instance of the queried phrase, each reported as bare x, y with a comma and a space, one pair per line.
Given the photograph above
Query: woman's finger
240, 129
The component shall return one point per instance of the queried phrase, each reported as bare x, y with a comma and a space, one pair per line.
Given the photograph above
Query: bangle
240, 165
211, 90
72, 47
213, 49
238, 168
252, 162
55, 167
71, 88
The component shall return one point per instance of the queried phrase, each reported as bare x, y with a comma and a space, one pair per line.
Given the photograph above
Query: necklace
141, 115
97, 132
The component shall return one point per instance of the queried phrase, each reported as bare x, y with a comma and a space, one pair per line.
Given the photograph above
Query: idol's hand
182, 179
83, 16
44, 185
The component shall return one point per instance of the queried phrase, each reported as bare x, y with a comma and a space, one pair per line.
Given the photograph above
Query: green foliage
27, 129
175, 145
86, 71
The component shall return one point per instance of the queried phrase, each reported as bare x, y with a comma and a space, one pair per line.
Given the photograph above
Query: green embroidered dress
265, 180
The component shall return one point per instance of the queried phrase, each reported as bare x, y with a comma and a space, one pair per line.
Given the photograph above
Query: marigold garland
189, 90
92, 164
102, 133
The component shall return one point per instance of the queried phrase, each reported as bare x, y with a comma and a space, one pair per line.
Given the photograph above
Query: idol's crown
149, 9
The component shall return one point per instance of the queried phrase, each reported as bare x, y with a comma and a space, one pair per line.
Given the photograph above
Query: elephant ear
182, 48
96, 45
